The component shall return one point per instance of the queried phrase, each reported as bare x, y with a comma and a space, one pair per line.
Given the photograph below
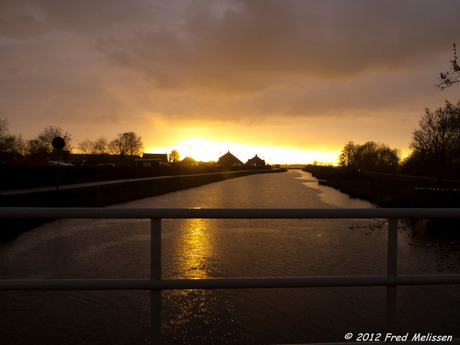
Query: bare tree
347, 155
100, 146
438, 134
42, 144
9, 143
3, 127
86, 146
452, 76
388, 158
127, 143
369, 156
366, 156
116, 147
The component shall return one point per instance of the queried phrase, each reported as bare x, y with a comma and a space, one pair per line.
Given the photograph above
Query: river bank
104, 194
389, 190
398, 191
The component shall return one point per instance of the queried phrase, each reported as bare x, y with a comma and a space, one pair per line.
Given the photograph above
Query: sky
290, 80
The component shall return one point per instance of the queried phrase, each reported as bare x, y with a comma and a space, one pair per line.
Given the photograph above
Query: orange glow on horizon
206, 150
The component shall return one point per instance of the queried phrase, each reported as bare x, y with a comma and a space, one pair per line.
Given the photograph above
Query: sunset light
208, 79
207, 150
227, 164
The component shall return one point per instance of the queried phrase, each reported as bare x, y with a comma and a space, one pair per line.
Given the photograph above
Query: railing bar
155, 284
155, 275
391, 308
392, 272
181, 213
224, 283
392, 263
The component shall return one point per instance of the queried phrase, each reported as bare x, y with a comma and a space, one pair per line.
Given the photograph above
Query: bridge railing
156, 284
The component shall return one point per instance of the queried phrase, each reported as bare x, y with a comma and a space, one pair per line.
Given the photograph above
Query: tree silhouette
41, 145
174, 156
452, 76
438, 134
86, 146
369, 157
127, 143
100, 146
347, 155
10, 144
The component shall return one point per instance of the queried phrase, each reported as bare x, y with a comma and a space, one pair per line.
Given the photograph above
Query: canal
206, 248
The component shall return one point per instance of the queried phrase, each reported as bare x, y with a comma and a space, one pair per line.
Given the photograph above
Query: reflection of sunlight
332, 196
196, 248
195, 255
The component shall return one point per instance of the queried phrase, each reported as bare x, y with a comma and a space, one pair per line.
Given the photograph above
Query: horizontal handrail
156, 283
218, 213
224, 283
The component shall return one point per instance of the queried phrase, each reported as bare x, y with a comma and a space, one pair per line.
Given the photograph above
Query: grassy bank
105, 194
389, 190
405, 191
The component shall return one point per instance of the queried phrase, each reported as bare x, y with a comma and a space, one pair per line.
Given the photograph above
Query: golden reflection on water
196, 254
196, 248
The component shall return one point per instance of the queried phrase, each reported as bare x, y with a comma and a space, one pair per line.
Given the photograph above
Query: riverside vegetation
428, 177
389, 189
405, 191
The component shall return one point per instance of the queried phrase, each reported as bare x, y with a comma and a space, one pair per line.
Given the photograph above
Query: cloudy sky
291, 80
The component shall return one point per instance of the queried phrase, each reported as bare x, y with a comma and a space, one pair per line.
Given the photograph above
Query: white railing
155, 284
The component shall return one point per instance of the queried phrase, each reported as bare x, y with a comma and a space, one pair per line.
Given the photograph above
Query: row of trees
128, 143
370, 156
435, 143
435, 148
13, 146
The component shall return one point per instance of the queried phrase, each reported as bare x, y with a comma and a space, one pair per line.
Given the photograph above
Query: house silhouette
228, 160
256, 161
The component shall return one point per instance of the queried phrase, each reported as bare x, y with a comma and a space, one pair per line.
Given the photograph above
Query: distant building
256, 161
188, 161
163, 157
228, 160
152, 160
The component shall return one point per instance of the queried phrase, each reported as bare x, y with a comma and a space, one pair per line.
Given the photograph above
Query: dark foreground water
201, 248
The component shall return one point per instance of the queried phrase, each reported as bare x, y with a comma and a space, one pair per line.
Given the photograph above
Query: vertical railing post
155, 274
392, 271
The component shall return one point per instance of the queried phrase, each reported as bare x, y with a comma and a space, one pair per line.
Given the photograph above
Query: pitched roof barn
256, 161
228, 160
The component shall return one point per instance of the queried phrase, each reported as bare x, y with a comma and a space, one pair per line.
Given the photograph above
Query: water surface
203, 248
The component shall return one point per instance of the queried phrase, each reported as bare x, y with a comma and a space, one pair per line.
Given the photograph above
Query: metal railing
155, 284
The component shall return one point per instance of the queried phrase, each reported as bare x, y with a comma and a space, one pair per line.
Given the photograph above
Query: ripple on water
215, 248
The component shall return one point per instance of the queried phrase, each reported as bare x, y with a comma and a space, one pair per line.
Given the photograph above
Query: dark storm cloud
124, 61
31, 18
253, 45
